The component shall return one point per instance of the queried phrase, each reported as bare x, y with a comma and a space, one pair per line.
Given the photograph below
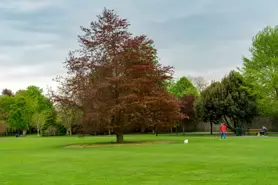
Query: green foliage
261, 70
208, 107
229, 101
38, 102
50, 123
19, 114
20, 110
182, 87
53, 129
68, 116
38, 120
5, 105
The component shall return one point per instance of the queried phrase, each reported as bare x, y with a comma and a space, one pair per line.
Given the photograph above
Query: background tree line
31, 111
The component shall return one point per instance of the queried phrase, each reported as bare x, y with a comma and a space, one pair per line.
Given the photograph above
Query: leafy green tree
51, 123
69, 116
23, 108
38, 120
186, 92
208, 107
19, 115
239, 105
182, 87
5, 105
38, 102
229, 102
261, 70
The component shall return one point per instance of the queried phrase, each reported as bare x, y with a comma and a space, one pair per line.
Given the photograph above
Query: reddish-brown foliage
3, 127
115, 80
7, 92
187, 108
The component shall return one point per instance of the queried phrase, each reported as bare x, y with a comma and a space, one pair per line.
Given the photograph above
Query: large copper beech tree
116, 80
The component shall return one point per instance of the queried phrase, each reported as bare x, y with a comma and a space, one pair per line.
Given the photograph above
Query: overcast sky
198, 37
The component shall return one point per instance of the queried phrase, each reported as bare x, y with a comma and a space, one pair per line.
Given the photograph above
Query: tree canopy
19, 110
229, 102
182, 87
114, 79
261, 70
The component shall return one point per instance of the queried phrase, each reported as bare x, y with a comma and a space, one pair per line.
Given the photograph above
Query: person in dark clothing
264, 130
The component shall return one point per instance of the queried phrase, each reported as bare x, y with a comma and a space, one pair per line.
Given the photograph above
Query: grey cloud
200, 28
29, 72
202, 37
26, 5
205, 57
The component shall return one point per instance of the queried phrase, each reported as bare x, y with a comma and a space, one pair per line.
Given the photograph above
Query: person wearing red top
223, 131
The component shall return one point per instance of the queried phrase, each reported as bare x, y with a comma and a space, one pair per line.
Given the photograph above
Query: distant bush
51, 131
51, 127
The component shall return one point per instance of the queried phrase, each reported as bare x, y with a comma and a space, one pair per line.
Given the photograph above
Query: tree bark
228, 125
156, 131
38, 130
120, 137
183, 129
210, 128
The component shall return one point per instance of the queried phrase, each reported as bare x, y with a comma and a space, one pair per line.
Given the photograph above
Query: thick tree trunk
70, 131
120, 137
228, 124
109, 132
156, 131
171, 129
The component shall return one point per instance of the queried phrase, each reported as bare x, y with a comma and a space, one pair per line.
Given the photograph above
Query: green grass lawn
205, 160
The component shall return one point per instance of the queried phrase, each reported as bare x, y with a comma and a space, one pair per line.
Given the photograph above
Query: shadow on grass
114, 144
